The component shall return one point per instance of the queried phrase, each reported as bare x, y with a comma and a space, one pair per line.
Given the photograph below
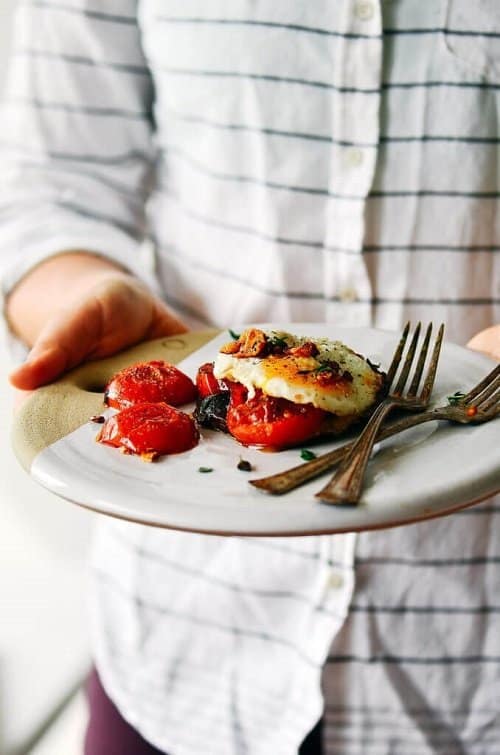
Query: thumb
46, 361
164, 322
63, 342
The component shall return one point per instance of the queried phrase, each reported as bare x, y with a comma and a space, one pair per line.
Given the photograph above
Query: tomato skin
149, 382
150, 428
206, 382
239, 393
276, 422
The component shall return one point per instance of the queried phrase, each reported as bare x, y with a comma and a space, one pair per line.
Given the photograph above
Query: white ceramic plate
426, 472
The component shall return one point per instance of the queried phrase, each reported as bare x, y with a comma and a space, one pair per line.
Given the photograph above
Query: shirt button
348, 294
335, 580
354, 157
364, 10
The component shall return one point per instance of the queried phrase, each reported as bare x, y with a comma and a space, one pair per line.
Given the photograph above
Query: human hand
116, 312
487, 341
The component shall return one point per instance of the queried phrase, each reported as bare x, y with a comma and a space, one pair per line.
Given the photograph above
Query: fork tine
480, 387
432, 369
492, 403
391, 372
421, 362
487, 402
408, 362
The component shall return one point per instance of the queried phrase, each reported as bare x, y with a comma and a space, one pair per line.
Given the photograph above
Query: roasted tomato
148, 382
206, 382
276, 422
238, 392
150, 430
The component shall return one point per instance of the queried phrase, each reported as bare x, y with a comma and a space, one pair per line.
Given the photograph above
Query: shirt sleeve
76, 146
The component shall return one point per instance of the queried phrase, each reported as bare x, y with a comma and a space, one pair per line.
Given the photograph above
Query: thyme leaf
275, 342
307, 455
457, 397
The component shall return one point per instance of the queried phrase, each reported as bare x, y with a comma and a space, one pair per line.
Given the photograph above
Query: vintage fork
480, 404
347, 482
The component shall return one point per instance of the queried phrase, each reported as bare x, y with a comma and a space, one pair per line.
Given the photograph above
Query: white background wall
43, 542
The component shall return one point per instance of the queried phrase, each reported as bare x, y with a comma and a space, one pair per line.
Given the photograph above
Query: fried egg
332, 377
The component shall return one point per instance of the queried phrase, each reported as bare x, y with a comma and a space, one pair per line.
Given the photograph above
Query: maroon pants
109, 734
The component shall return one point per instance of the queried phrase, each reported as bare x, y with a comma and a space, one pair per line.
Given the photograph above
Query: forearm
51, 287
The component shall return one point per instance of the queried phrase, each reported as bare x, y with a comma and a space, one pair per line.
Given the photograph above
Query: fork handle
284, 482
347, 482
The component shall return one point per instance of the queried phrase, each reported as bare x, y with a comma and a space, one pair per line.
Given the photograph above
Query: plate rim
291, 533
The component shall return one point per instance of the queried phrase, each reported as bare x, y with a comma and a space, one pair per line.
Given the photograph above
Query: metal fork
347, 482
480, 404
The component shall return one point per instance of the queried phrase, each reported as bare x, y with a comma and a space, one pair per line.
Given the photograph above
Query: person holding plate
321, 162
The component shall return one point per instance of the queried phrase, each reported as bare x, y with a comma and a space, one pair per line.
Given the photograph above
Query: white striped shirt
332, 161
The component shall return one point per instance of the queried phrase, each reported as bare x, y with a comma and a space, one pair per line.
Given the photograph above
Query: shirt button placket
356, 102
364, 10
335, 580
348, 294
354, 157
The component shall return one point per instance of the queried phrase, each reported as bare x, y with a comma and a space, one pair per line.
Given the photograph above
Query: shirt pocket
472, 35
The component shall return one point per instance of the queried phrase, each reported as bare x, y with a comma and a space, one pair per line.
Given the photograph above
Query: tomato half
276, 422
206, 382
148, 382
238, 392
150, 428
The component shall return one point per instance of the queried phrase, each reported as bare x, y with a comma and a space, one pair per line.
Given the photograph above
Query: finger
44, 364
165, 323
63, 343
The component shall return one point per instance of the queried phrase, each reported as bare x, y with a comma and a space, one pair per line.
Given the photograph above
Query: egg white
294, 378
